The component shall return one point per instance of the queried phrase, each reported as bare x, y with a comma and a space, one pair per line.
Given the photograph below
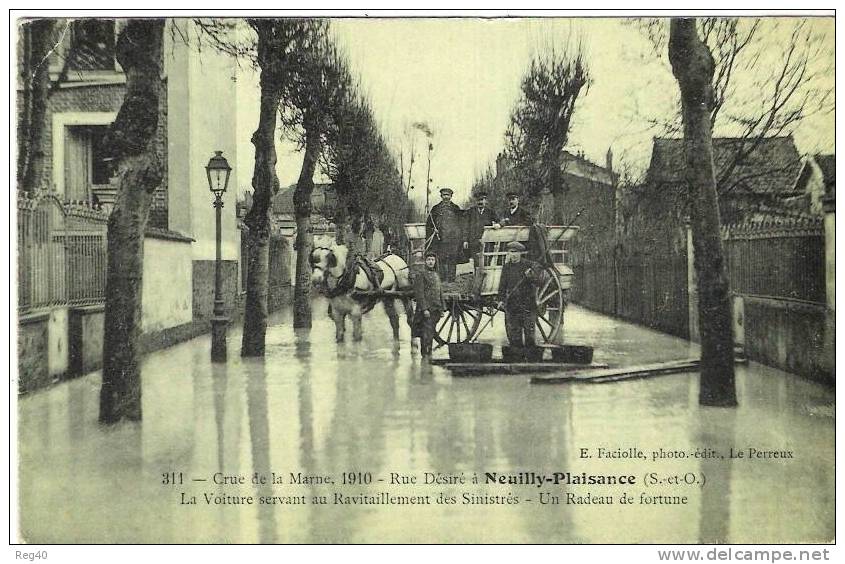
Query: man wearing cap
477, 219
515, 214
444, 232
429, 297
517, 296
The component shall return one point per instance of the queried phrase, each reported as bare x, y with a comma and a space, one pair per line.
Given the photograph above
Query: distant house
763, 178
588, 188
323, 205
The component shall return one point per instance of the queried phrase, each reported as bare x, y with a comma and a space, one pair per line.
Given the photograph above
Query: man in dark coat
444, 228
477, 218
515, 214
517, 296
430, 305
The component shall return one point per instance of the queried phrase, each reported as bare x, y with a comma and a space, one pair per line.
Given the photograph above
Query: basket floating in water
575, 354
522, 354
470, 352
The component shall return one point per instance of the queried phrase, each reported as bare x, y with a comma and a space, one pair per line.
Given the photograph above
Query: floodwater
366, 411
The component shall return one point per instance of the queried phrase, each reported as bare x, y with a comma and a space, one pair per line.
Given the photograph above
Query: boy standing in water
429, 297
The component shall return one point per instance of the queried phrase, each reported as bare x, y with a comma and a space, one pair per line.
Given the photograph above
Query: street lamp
218, 171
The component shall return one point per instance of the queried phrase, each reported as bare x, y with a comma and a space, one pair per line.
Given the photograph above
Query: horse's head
326, 264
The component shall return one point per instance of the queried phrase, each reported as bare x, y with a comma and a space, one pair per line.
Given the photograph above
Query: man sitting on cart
430, 305
517, 296
515, 214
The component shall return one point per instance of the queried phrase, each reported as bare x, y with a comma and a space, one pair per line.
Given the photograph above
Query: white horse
353, 291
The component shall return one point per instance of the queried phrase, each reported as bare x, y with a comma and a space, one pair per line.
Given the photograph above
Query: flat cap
515, 246
512, 193
479, 195
447, 191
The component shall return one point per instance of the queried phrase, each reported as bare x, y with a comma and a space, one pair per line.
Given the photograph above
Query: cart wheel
551, 303
459, 323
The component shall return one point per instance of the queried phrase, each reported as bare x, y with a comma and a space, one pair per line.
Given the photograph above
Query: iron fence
61, 253
647, 289
783, 260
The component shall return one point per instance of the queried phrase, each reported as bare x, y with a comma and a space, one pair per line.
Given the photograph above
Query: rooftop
770, 168
322, 196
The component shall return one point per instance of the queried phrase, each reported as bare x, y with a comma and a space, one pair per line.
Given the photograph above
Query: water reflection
714, 522
317, 407
259, 433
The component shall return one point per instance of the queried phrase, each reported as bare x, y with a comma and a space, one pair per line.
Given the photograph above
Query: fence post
829, 207
692, 287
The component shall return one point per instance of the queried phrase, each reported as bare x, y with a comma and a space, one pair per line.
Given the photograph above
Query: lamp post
218, 171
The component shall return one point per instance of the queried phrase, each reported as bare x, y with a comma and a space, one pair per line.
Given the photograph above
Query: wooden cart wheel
459, 322
551, 304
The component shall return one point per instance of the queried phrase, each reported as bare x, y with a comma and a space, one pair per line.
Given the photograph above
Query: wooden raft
624, 373
499, 368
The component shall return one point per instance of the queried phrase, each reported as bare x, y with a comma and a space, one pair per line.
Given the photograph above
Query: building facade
197, 116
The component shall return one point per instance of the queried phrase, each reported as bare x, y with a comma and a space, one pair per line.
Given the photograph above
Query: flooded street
355, 410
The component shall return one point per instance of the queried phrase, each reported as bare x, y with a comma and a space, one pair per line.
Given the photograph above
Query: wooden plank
624, 373
498, 368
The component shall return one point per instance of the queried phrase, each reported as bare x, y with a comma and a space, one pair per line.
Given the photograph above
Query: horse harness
346, 282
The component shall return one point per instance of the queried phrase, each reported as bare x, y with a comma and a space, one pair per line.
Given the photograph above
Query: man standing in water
517, 296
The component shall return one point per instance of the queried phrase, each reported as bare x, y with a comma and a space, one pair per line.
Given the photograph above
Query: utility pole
428, 179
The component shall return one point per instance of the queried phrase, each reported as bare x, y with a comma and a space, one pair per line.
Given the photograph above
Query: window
101, 163
87, 163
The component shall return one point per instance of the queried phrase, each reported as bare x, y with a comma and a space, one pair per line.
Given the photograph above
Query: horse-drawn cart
471, 301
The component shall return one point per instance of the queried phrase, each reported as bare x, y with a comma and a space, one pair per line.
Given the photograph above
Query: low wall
789, 335
32, 343
85, 339
202, 290
168, 277
178, 300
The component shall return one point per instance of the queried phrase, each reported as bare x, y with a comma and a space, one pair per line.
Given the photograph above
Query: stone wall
789, 335
203, 288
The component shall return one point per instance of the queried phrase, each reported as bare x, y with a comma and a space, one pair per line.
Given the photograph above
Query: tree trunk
304, 232
692, 65
265, 183
133, 138
35, 84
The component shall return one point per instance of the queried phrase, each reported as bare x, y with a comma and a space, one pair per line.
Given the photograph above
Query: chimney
609, 160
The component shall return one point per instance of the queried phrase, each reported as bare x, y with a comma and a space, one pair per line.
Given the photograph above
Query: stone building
198, 115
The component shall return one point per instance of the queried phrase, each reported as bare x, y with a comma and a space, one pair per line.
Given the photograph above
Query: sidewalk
321, 409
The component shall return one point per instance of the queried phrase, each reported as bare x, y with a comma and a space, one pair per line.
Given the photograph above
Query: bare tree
317, 87
280, 49
347, 161
132, 138
366, 177
693, 67
540, 121
37, 44
769, 75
